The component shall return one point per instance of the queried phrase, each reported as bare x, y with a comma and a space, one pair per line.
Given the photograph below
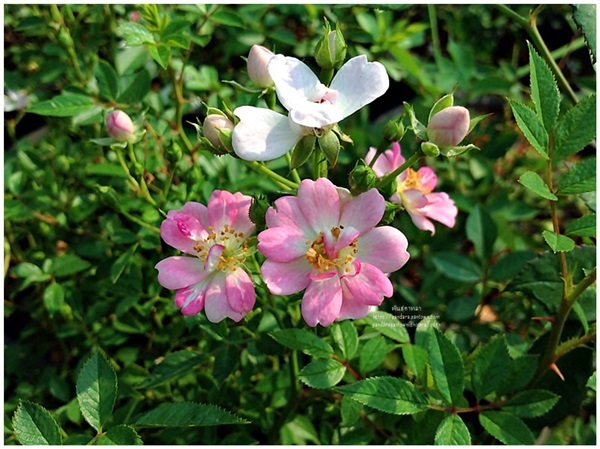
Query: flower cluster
322, 242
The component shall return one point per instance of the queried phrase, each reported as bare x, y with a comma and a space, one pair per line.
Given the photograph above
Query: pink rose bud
211, 126
449, 127
119, 125
258, 59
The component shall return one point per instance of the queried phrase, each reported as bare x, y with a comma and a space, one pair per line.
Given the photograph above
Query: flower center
235, 247
323, 260
412, 181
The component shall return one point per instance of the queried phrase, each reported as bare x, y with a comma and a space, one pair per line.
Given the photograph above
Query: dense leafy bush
486, 334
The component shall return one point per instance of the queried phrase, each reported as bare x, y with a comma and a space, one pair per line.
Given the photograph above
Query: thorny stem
531, 28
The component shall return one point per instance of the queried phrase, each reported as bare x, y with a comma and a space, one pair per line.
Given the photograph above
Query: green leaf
418, 128
175, 27
585, 18
299, 431
228, 17
576, 128
350, 411
302, 151
372, 354
187, 414
34, 425
456, 266
387, 394
226, 362
536, 184
445, 102
490, 364
531, 403
122, 263
520, 372
135, 34
120, 435
447, 367
108, 81
68, 264
173, 366
160, 54
544, 92
134, 87
346, 338
416, 359
558, 243
322, 373
65, 105
96, 390
54, 298
452, 431
580, 178
531, 126
584, 226
304, 341
509, 265
506, 427
388, 325
482, 231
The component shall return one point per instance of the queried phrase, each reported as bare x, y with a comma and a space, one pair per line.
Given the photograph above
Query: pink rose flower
414, 190
325, 241
216, 236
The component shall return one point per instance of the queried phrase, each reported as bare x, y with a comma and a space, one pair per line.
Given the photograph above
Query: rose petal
387, 162
358, 83
316, 115
262, 134
384, 248
179, 272
243, 223
322, 302
287, 213
170, 231
369, 286
286, 278
282, 244
240, 291
216, 304
440, 207
295, 82
191, 299
428, 179
223, 210
320, 203
213, 258
364, 211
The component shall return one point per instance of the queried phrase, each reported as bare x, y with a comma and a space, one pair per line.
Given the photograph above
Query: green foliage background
81, 243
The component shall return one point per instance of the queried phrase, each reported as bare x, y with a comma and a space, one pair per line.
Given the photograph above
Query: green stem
558, 53
293, 171
389, 178
284, 183
531, 28
126, 169
435, 38
569, 345
140, 222
67, 42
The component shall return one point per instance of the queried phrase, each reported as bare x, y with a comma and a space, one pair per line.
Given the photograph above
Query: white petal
316, 115
295, 82
358, 83
262, 134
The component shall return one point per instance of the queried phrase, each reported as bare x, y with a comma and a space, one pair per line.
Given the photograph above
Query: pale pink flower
119, 125
216, 236
325, 241
414, 190
449, 127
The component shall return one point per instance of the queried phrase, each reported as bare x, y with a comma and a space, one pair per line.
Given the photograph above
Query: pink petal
282, 244
286, 212
322, 302
223, 209
364, 211
243, 223
351, 308
170, 231
240, 291
428, 179
199, 211
213, 258
414, 199
384, 248
387, 162
217, 306
440, 207
179, 272
333, 245
191, 299
369, 286
286, 278
420, 220
320, 203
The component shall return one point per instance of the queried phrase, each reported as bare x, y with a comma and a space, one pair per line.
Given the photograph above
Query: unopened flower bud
394, 131
448, 127
214, 127
331, 49
258, 210
430, 149
258, 60
119, 125
362, 177
174, 152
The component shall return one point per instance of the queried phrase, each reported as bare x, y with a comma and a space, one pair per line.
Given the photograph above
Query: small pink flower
119, 125
217, 236
325, 241
414, 190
